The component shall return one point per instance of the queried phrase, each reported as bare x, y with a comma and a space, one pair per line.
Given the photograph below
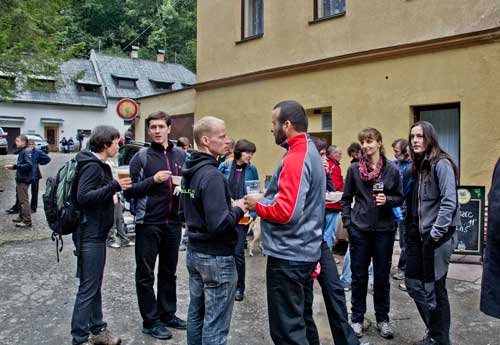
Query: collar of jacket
292, 142
161, 148
331, 159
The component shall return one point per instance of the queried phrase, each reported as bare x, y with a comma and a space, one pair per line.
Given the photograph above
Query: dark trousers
430, 295
24, 201
154, 241
365, 246
335, 303
289, 301
402, 246
34, 194
87, 312
239, 255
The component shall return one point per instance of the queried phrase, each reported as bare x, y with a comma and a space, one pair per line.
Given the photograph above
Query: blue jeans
87, 312
212, 286
331, 221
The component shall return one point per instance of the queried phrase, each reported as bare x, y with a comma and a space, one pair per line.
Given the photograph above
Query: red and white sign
127, 109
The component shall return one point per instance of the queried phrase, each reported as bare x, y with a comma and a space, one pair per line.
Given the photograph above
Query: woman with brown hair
374, 184
432, 217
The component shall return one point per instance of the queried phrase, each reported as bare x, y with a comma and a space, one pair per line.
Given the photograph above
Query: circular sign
464, 196
127, 109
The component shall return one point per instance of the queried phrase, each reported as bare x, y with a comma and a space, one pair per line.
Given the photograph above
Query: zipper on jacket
418, 204
170, 186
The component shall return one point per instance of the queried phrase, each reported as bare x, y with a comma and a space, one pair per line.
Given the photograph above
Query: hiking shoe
358, 327
113, 245
23, 225
426, 341
385, 330
105, 338
399, 276
12, 210
17, 220
176, 323
159, 332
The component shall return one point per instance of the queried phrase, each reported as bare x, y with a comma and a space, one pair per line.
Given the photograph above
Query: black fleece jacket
96, 188
206, 206
366, 215
156, 203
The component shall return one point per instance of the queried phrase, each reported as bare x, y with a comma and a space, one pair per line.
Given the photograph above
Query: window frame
243, 37
318, 19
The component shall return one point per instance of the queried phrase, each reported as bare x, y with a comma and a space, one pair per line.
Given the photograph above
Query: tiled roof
143, 71
66, 89
102, 70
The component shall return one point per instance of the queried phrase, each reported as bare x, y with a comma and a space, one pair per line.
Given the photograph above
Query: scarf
367, 172
237, 186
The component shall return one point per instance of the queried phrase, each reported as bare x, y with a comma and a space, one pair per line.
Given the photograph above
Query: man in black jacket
24, 177
96, 188
211, 221
158, 228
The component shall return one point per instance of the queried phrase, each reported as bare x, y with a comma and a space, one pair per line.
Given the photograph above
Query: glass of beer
252, 187
123, 171
378, 188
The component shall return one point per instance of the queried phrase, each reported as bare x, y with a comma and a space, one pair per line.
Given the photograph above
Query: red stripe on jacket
288, 183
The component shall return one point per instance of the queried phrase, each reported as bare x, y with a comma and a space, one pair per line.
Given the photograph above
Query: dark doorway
12, 134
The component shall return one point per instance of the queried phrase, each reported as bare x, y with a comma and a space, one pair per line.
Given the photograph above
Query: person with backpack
38, 158
158, 227
94, 195
432, 217
24, 178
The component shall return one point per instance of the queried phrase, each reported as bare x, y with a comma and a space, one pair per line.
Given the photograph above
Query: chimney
134, 53
160, 55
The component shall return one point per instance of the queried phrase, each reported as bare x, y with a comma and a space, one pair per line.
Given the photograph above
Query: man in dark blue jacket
158, 228
24, 177
38, 158
96, 188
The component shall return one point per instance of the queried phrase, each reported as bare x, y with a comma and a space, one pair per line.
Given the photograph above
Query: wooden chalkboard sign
471, 231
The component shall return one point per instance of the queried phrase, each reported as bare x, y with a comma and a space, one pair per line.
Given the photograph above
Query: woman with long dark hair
432, 217
374, 184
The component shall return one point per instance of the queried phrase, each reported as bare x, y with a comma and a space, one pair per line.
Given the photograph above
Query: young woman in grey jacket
432, 217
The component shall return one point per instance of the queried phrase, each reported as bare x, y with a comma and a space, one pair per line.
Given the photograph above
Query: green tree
32, 41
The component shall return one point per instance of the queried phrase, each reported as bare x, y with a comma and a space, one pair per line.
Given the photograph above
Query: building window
88, 88
41, 85
125, 83
446, 120
252, 18
328, 8
161, 85
326, 121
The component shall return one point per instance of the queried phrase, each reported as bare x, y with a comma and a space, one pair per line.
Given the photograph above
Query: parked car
40, 142
128, 151
4, 146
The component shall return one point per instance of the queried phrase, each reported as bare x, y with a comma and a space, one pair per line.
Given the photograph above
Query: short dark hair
243, 145
182, 141
354, 147
292, 111
319, 143
159, 115
403, 145
101, 137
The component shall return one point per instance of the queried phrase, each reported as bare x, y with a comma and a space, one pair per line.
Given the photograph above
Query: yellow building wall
378, 94
175, 103
290, 39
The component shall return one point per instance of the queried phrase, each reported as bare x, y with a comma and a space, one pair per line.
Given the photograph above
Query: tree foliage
37, 35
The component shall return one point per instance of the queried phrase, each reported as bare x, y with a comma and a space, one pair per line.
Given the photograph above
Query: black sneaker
176, 323
426, 341
239, 295
159, 332
12, 210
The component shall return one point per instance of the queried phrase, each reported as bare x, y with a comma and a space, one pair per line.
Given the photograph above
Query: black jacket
96, 188
155, 202
24, 166
490, 287
206, 206
365, 215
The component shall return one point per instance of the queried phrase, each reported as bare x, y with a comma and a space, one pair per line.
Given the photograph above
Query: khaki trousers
24, 201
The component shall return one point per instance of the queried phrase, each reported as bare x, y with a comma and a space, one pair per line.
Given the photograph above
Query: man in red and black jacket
158, 227
332, 212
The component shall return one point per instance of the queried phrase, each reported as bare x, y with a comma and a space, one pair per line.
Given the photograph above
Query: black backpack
60, 204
